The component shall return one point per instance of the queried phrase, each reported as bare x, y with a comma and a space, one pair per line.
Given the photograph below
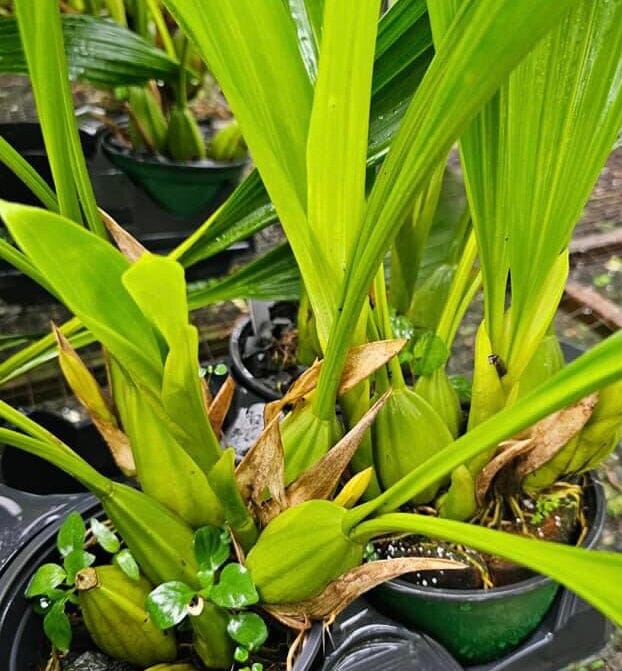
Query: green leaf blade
212, 547
248, 629
126, 562
71, 534
106, 538
168, 603
46, 578
75, 561
235, 588
57, 627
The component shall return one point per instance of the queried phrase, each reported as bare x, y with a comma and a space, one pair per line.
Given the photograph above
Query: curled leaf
341, 592
263, 467
552, 433
127, 244
219, 407
509, 450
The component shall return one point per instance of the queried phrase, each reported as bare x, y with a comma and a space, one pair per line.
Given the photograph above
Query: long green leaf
85, 272
469, 66
273, 276
19, 261
573, 85
99, 51
41, 34
44, 350
594, 576
308, 16
336, 160
403, 54
158, 287
69, 462
270, 94
27, 174
245, 212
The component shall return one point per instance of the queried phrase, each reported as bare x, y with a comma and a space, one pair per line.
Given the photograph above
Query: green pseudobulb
112, 605
301, 551
406, 433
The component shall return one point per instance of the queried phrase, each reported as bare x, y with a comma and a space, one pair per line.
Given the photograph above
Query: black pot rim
21, 565
238, 367
161, 161
522, 587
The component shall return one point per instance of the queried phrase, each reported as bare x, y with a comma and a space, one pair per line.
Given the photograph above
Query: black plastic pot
23, 645
185, 188
27, 139
478, 626
28, 473
242, 332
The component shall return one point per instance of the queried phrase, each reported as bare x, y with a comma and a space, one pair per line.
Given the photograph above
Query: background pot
478, 626
241, 346
27, 139
182, 188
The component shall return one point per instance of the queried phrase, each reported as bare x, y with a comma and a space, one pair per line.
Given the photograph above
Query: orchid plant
311, 84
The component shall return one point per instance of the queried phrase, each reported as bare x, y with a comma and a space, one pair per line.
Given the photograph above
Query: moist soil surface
558, 522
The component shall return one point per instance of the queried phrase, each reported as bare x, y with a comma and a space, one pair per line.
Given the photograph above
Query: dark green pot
183, 188
478, 626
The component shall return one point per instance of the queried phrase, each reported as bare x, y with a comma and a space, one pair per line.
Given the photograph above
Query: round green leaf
126, 562
75, 561
248, 629
240, 654
105, 537
168, 603
212, 547
56, 626
45, 579
71, 534
235, 588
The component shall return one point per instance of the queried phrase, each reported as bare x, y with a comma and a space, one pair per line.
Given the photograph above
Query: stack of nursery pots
428, 520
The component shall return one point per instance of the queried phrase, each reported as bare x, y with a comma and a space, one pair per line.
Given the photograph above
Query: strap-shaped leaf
337, 143
99, 51
26, 173
158, 287
404, 50
85, 272
594, 576
42, 38
562, 102
259, 67
562, 113
308, 16
469, 66
273, 276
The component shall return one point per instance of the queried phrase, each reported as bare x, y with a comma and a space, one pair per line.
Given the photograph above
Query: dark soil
557, 522
84, 656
